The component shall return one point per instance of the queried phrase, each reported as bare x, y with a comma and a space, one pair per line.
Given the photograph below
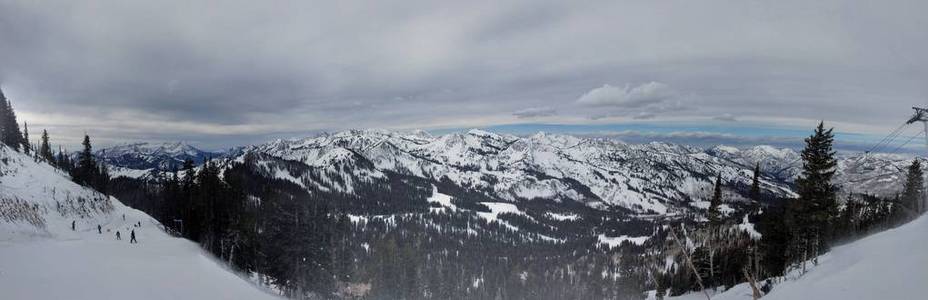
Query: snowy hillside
42, 258
889, 265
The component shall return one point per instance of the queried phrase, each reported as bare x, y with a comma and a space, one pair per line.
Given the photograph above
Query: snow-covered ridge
146, 156
658, 178
647, 178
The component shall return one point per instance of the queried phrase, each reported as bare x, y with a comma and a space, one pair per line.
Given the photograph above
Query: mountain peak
148, 155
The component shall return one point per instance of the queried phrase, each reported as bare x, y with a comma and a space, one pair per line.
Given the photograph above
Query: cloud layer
628, 97
533, 112
247, 71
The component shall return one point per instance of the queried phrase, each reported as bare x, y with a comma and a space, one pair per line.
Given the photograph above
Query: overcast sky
248, 71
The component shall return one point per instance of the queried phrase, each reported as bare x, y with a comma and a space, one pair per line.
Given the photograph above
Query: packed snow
41, 257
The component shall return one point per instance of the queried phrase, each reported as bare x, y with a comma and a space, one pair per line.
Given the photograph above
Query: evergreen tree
45, 150
26, 146
102, 179
9, 127
714, 215
4, 114
914, 193
64, 161
817, 202
755, 184
86, 169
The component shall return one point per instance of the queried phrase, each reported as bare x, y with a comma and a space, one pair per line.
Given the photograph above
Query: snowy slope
888, 265
42, 258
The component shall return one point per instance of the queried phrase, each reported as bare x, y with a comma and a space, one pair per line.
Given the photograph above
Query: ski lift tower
921, 115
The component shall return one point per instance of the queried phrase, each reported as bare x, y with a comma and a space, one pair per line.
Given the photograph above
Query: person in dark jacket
132, 237
73, 223
99, 229
118, 237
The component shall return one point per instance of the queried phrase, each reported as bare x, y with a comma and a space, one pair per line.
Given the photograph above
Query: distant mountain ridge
158, 156
651, 178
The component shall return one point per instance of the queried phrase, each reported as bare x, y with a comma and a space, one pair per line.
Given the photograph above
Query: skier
72, 225
123, 217
132, 237
99, 229
118, 238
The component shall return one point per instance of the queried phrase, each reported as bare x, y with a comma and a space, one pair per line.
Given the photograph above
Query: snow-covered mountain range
653, 178
160, 156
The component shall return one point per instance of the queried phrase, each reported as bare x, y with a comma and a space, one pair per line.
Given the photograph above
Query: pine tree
45, 150
817, 203
914, 193
9, 127
714, 215
755, 184
102, 179
26, 146
64, 161
4, 114
86, 168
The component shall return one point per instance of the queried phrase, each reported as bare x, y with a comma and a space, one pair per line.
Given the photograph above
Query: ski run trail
42, 258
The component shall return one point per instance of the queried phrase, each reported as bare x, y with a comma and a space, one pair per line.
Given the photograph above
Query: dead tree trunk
689, 261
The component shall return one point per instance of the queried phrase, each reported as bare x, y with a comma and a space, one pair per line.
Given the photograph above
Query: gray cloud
725, 117
533, 112
644, 115
642, 102
247, 70
650, 93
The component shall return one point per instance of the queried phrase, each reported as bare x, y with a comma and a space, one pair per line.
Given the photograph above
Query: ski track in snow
54, 262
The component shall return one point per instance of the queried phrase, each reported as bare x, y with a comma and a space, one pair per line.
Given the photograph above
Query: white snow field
42, 258
888, 265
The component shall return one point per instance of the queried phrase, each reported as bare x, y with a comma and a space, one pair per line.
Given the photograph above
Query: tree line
716, 252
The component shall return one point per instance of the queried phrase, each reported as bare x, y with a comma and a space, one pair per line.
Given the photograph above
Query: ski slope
42, 258
889, 265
